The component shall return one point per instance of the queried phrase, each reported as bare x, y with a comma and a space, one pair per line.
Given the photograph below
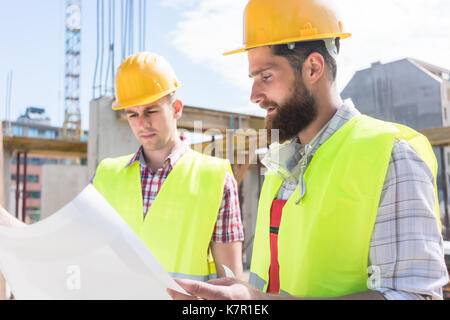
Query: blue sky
32, 46
192, 34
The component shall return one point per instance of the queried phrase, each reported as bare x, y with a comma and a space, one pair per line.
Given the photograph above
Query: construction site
45, 166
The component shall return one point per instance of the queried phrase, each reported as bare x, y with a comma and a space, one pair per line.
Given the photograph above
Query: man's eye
132, 115
265, 77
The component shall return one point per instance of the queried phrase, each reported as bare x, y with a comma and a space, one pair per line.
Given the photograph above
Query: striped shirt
228, 226
406, 249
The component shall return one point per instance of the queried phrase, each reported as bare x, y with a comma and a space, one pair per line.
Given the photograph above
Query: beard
293, 116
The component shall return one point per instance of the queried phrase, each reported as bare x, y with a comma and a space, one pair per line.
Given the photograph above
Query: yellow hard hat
270, 22
143, 78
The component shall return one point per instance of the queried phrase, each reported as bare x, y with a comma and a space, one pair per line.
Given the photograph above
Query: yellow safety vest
324, 241
179, 224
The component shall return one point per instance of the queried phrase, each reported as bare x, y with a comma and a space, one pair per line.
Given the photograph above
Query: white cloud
209, 29
387, 30
383, 30
178, 3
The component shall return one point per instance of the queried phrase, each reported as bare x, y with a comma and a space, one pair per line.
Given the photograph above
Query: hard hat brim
289, 40
140, 102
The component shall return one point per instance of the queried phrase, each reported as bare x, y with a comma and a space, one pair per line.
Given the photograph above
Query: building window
33, 161
33, 133
85, 136
50, 134
445, 113
33, 194
31, 178
51, 161
37, 161
17, 130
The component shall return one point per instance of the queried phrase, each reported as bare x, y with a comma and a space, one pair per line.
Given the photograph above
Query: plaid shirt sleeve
229, 226
406, 245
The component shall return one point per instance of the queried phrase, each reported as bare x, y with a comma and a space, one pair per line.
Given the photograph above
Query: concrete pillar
249, 205
7, 156
53, 197
2, 202
108, 136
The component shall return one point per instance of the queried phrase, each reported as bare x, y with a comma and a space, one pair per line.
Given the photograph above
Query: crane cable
100, 84
102, 50
124, 28
141, 31
131, 28
145, 25
111, 35
94, 85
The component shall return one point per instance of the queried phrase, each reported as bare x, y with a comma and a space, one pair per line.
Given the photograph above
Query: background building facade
409, 92
34, 123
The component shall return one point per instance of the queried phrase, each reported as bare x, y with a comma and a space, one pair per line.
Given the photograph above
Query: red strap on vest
274, 270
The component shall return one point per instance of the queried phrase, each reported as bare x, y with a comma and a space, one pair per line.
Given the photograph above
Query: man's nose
257, 95
144, 121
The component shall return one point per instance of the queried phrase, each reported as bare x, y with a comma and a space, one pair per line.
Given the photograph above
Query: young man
180, 202
183, 205
357, 218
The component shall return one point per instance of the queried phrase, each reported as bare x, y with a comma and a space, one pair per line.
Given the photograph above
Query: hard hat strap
330, 44
331, 47
291, 45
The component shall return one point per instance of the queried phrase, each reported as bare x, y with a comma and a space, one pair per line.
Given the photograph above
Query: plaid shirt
406, 246
228, 226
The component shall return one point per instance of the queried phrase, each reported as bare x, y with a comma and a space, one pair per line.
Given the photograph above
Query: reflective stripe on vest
324, 241
256, 281
179, 224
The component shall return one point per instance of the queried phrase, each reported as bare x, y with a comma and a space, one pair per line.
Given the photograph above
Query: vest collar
171, 159
290, 160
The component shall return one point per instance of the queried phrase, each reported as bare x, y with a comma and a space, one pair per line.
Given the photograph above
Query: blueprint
83, 251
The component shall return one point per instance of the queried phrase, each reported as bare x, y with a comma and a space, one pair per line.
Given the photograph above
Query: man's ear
178, 108
313, 68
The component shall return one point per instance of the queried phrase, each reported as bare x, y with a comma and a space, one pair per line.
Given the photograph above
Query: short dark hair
302, 50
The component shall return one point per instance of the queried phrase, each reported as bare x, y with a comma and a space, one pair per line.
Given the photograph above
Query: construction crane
72, 114
103, 82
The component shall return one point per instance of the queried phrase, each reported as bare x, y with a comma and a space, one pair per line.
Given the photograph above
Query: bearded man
349, 207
